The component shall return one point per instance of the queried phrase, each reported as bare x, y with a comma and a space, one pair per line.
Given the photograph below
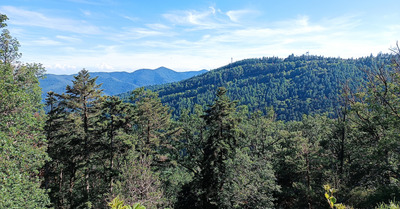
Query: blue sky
116, 35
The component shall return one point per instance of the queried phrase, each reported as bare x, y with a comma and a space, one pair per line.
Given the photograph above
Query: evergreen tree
78, 109
218, 147
374, 164
114, 128
252, 182
151, 122
58, 133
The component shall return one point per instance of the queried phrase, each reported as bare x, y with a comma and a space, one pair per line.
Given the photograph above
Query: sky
125, 35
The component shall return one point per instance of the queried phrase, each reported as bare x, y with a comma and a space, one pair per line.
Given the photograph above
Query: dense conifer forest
293, 86
300, 132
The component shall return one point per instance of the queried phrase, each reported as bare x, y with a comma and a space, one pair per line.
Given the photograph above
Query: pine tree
151, 122
75, 142
218, 147
113, 123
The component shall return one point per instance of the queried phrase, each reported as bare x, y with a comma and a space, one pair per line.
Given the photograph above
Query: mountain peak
162, 68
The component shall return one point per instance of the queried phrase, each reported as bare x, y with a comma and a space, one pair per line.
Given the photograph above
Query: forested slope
293, 86
91, 149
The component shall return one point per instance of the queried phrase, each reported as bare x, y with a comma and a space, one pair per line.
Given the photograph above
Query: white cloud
136, 33
58, 68
237, 15
330, 37
29, 18
86, 12
69, 39
104, 67
93, 2
198, 20
133, 19
44, 41
158, 26
196, 39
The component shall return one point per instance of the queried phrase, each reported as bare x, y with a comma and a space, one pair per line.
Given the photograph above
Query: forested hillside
293, 86
96, 151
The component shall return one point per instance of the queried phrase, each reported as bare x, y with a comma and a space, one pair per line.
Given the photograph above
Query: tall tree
252, 181
114, 126
57, 171
83, 99
218, 147
8, 45
375, 154
151, 121
22, 143
298, 162
80, 108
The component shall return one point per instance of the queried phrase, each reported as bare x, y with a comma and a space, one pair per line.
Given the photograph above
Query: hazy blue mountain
119, 82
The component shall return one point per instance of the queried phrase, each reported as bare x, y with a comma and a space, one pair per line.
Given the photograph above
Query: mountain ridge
293, 86
119, 82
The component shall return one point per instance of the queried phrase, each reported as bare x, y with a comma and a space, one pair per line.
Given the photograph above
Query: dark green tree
218, 147
77, 110
252, 181
299, 161
375, 112
58, 132
151, 123
114, 126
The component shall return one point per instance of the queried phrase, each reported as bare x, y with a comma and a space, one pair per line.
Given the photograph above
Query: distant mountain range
119, 82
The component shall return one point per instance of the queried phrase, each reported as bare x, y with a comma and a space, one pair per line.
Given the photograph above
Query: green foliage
250, 182
22, 142
116, 203
300, 162
331, 199
227, 173
218, 148
75, 174
293, 86
138, 183
8, 47
374, 137
151, 121
230, 156
391, 205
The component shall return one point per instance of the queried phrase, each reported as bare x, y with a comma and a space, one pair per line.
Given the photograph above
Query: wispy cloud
237, 15
329, 37
138, 33
44, 41
86, 12
69, 39
158, 26
198, 20
29, 18
133, 19
187, 39
93, 2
